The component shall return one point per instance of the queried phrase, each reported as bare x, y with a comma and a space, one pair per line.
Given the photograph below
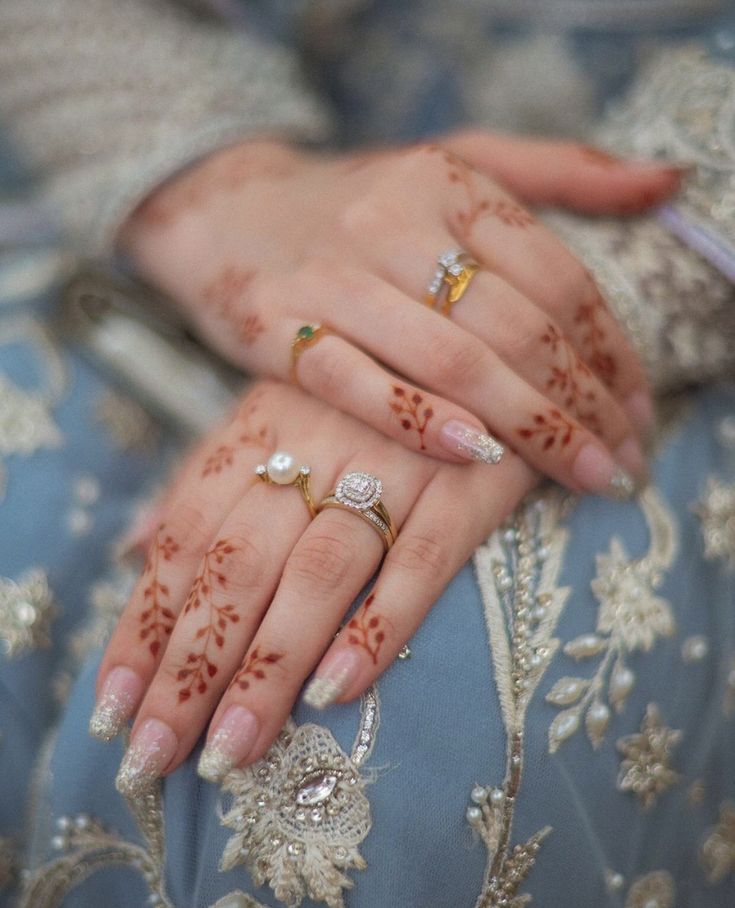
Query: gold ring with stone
361, 493
282, 469
306, 337
454, 273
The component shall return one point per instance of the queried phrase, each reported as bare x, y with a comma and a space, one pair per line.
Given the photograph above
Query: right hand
260, 239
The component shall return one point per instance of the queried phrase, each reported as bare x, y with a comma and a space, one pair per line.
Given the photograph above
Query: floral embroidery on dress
630, 617
716, 512
654, 890
26, 424
646, 765
717, 855
300, 813
27, 609
517, 571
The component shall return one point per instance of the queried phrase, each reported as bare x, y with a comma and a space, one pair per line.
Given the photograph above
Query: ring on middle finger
454, 273
282, 469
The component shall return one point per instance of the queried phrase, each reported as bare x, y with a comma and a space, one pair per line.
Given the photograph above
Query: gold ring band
282, 469
454, 274
360, 493
306, 337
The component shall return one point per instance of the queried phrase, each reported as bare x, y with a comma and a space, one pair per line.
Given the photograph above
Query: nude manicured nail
151, 750
596, 471
639, 408
629, 455
333, 677
120, 694
229, 745
470, 442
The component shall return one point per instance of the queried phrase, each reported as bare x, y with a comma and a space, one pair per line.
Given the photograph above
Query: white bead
478, 795
474, 815
497, 796
282, 468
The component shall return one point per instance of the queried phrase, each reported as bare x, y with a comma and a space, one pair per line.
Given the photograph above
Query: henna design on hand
567, 377
253, 668
408, 409
366, 629
225, 296
157, 619
209, 582
216, 462
593, 335
550, 428
511, 213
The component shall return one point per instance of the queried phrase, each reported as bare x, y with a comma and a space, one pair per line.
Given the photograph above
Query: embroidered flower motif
654, 890
716, 512
645, 769
630, 617
718, 850
299, 815
26, 611
25, 423
628, 608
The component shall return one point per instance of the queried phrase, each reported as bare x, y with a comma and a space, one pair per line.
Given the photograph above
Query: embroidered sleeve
104, 99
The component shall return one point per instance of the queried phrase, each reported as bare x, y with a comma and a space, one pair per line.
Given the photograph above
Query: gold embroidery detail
645, 769
27, 609
630, 617
300, 813
654, 890
716, 512
718, 850
517, 572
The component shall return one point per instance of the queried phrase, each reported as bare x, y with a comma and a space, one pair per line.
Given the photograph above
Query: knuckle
456, 363
419, 552
322, 561
188, 525
249, 565
569, 283
333, 374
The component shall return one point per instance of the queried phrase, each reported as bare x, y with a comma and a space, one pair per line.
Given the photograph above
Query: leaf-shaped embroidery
567, 690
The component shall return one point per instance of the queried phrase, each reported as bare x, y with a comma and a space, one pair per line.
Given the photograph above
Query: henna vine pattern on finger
408, 409
461, 174
209, 583
593, 335
253, 668
217, 461
157, 619
511, 213
366, 629
551, 428
567, 378
225, 296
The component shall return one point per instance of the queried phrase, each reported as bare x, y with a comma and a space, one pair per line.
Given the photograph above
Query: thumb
567, 174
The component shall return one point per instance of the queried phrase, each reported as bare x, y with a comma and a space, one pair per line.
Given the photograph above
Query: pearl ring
282, 469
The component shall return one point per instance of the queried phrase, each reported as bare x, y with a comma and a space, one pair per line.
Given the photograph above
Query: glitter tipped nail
596, 471
229, 745
118, 699
471, 442
332, 679
151, 750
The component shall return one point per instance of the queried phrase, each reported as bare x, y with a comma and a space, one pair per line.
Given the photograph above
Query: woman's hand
261, 239
243, 593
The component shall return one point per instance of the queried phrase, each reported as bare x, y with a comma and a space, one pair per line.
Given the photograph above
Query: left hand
243, 593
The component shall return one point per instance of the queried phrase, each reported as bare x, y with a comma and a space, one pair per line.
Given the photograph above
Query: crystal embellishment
360, 491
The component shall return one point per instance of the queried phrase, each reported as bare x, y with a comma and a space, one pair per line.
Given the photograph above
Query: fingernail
333, 677
639, 407
229, 745
670, 168
470, 442
150, 751
120, 694
629, 455
596, 471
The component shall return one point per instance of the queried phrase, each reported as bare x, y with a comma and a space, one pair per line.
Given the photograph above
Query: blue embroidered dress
564, 730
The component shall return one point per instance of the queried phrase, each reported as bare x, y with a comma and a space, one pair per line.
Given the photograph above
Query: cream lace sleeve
104, 98
668, 277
